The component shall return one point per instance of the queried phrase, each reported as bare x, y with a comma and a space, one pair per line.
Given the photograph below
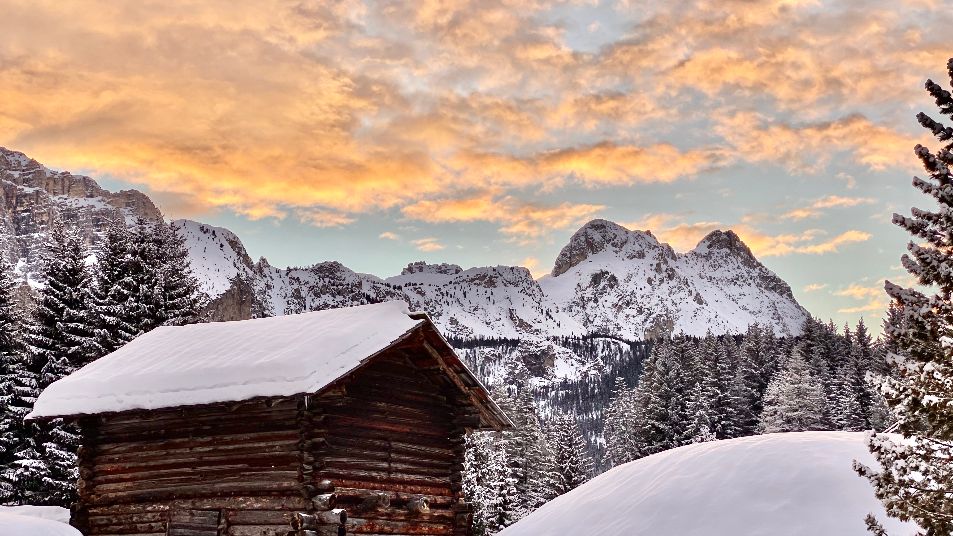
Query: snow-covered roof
232, 361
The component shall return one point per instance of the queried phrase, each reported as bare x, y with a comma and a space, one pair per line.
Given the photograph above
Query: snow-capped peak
626, 283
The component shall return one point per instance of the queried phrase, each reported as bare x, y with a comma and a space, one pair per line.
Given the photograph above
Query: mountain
607, 280
627, 284
33, 195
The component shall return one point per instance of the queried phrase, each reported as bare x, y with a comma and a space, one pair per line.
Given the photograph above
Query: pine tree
917, 475
716, 385
572, 463
757, 364
112, 293
180, 291
62, 327
794, 400
621, 418
18, 390
481, 467
61, 338
701, 428
665, 390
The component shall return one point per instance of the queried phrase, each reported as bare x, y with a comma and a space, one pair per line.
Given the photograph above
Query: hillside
790, 484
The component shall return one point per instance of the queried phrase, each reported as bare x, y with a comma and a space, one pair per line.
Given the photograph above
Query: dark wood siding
141, 470
389, 432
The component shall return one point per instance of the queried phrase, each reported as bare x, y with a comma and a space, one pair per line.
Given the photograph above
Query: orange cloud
428, 244
520, 221
805, 242
814, 209
280, 108
808, 148
680, 235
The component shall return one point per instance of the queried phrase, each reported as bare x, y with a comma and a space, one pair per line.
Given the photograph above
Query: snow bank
28, 525
227, 361
52, 513
792, 484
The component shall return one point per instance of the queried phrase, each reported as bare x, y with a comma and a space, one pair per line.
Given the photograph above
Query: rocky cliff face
33, 195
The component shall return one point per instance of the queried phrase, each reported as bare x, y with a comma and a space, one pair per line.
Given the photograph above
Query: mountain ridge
607, 279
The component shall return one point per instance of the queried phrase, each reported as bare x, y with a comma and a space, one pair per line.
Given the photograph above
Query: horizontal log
391, 487
336, 422
125, 519
378, 526
186, 412
341, 463
217, 489
290, 502
397, 499
217, 440
259, 530
412, 450
207, 477
133, 528
358, 410
356, 433
211, 430
207, 466
378, 390
384, 477
258, 517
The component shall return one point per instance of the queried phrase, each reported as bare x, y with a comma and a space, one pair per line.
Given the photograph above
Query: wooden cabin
344, 421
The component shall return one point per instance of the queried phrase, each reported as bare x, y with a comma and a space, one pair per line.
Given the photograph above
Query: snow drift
35, 521
790, 484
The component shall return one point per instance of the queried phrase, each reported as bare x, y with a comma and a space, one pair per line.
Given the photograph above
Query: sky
485, 132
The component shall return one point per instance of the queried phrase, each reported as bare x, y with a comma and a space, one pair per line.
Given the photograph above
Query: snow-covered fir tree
794, 400
757, 364
917, 476
573, 465
621, 425
113, 293
21, 473
664, 393
511, 473
61, 333
60, 337
180, 290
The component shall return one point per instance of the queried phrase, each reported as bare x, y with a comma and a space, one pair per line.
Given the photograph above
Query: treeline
509, 474
84, 310
656, 395
695, 390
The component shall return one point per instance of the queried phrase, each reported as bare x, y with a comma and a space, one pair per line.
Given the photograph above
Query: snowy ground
35, 521
792, 484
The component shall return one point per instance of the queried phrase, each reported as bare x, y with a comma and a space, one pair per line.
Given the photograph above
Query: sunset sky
486, 132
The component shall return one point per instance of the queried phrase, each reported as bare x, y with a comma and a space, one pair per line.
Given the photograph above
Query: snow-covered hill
626, 283
35, 521
793, 484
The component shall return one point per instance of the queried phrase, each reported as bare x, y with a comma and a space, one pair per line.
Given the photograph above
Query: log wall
192, 472
389, 451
